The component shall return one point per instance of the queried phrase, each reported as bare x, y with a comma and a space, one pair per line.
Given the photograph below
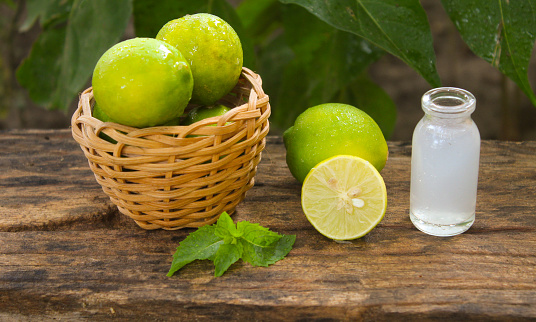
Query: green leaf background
46, 12
63, 57
504, 35
397, 26
308, 52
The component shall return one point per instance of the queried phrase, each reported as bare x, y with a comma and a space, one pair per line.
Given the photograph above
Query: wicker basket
173, 177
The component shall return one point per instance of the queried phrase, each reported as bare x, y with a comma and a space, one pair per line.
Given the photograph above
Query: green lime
202, 112
331, 129
344, 197
213, 50
100, 115
142, 82
173, 122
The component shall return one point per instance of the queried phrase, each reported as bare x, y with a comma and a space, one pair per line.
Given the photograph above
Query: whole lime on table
213, 50
203, 112
344, 197
142, 82
331, 129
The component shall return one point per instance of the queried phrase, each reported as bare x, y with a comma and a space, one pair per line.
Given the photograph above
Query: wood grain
66, 253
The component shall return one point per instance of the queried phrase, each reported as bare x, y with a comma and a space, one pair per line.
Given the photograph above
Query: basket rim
87, 97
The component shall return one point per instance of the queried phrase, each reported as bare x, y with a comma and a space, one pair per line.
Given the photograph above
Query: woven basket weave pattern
173, 177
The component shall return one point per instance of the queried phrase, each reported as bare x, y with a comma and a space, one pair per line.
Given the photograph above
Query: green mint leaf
226, 228
226, 255
225, 242
256, 234
200, 244
258, 255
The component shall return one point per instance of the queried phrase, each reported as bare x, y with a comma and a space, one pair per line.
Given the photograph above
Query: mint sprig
225, 243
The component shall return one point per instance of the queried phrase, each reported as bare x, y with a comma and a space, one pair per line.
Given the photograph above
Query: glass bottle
444, 163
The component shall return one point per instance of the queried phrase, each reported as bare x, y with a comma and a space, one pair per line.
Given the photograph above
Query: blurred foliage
308, 52
5, 80
75, 35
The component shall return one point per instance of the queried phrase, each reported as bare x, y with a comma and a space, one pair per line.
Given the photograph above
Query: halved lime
344, 197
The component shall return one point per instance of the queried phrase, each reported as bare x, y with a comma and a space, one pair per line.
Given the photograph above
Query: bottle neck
448, 103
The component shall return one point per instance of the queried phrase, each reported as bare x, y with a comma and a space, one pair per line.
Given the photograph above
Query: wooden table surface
67, 253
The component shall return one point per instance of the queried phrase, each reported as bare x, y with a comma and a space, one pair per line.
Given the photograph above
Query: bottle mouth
448, 102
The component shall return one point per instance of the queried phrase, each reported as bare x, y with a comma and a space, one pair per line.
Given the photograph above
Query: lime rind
142, 82
325, 202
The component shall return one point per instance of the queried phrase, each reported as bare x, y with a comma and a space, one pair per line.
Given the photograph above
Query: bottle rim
448, 102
